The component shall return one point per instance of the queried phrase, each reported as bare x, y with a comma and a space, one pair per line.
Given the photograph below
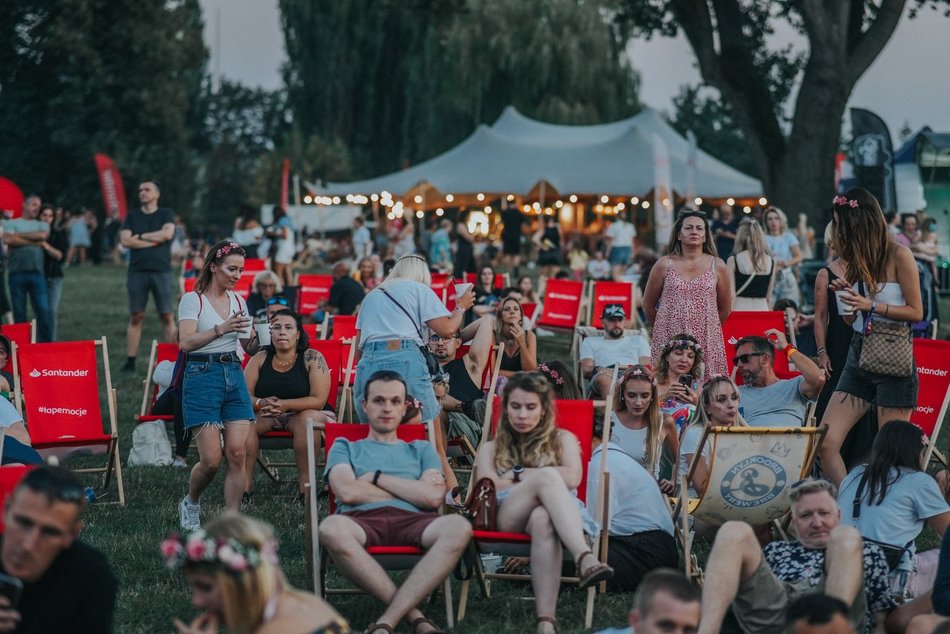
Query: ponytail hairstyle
216, 255
651, 450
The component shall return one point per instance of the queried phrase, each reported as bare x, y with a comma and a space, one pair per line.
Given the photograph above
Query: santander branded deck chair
741, 324
750, 472
562, 307
255, 265
605, 293
279, 440
161, 351
57, 390
311, 292
500, 282
397, 557
933, 395
575, 417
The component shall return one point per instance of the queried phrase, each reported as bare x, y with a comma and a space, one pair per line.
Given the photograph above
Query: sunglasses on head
42, 481
745, 358
283, 301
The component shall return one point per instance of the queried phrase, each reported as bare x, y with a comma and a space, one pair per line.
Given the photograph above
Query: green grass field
94, 304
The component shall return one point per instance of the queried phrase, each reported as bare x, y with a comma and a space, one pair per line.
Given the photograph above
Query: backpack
150, 446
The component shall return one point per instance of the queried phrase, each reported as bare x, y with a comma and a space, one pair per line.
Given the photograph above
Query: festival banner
933, 373
110, 182
562, 303
662, 192
872, 156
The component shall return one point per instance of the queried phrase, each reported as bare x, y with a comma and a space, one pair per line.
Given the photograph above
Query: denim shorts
407, 361
621, 256
214, 393
886, 391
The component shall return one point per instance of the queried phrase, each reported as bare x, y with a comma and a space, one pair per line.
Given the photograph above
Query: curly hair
539, 447
681, 341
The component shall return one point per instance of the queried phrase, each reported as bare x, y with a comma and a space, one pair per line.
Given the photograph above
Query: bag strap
856, 503
748, 279
393, 300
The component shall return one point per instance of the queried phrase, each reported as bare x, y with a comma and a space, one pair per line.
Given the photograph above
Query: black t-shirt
513, 219
54, 267
157, 259
345, 295
724, 245
77, 594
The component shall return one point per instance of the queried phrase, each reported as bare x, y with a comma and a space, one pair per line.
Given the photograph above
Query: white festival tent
517, 155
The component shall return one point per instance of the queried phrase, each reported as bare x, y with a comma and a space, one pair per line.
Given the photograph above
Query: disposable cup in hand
263, 333
843, 308
461, 289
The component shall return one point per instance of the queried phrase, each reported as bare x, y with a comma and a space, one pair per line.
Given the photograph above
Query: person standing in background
147, 232
513, 219
284, 246
724, 229
79, 240
362, 240
465, 250
787, 254
620, 238
54, 250
248, 231
23, 236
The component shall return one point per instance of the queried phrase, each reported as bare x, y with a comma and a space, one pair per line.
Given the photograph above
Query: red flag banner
110, 182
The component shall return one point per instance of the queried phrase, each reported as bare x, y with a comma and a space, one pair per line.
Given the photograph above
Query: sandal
547, 619
424, 621
597, 573
375, 627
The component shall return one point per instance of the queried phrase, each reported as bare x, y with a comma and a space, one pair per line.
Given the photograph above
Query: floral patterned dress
690, 306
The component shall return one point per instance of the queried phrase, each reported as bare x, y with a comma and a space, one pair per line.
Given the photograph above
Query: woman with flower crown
690, 291
638, 427
232, 568
679, 374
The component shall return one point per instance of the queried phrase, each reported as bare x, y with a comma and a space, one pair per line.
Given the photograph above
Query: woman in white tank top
638, 426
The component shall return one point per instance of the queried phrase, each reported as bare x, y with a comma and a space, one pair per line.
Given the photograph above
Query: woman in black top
548, 240
520, 351
54, 250
289, 384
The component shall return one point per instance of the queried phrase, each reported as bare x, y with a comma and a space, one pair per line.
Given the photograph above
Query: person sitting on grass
232, 568
535, 466
388, 492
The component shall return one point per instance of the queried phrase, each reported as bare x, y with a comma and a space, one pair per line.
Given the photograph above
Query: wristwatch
516, 472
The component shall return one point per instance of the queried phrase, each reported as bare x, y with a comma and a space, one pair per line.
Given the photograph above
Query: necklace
285, 364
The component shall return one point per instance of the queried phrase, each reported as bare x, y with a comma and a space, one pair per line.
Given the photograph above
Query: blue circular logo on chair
752, 482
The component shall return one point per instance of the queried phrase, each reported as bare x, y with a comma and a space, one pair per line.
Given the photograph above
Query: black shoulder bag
432, 363
893, 554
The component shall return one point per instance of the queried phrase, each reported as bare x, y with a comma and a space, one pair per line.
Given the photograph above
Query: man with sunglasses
68, 586
767, 400
827, 558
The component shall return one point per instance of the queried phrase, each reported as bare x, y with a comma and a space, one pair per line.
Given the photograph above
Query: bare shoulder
313, 358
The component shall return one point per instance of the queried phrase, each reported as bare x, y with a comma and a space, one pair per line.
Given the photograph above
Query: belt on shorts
221, 357
392, 344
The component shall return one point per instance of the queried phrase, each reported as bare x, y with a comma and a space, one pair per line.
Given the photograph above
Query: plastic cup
461, 289
491, 562
263, 333
843, 308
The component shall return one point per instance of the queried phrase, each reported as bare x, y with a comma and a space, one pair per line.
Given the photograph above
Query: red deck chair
741, 324
389, 557
605, 293
278, 440
58, 393
501, 280
245, 284
530, 314
20, 334
187, 284
161, 351
255, 264
561, 311
575, 417
439, 285
933, 395
315, 331
10, 477
312, 290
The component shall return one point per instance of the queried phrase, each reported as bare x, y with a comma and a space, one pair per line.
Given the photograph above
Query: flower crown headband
552, 374
199, 547
675, 344
226, 249
637, 373
844, 202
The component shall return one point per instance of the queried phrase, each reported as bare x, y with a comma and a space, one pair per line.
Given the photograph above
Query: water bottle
90, 494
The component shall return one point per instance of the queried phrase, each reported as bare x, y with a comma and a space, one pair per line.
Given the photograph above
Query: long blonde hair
783, 219
245, 595
538, 448
751, 238
651, 453
409, 267
701, 415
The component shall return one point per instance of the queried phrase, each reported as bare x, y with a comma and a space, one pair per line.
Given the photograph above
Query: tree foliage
397, 82
123, 77
714, 125
794, 155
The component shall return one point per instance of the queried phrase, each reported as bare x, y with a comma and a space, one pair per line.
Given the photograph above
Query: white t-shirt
636, 504
200, 309
632, 441
626, 350
781, 245
598, 269
362, 242
380, 319
622, 233
689, 444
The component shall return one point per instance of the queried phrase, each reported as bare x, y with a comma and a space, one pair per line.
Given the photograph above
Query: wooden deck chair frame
597, 543
149, 390
776, 498
113, 460
462, 442
400, 555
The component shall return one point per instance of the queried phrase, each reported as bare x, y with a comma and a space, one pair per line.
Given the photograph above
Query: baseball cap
613, 311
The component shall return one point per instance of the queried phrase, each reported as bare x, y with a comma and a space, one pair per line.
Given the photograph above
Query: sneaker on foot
179, 463
189, 515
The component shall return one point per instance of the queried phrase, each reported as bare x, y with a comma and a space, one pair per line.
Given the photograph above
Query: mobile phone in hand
686, 379
11, 588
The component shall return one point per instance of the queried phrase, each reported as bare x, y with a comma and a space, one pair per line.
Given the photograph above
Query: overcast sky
908, 84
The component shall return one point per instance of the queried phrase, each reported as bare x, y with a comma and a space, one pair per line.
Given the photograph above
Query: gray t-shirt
781, 404
400, 459
28, 258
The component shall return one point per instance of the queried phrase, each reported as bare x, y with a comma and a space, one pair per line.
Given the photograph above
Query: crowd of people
247, 368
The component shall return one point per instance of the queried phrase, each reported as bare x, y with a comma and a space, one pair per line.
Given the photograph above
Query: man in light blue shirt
665, 603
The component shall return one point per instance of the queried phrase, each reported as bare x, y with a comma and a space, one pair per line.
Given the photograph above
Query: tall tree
715, 127
397, 82
123, 77
795, 157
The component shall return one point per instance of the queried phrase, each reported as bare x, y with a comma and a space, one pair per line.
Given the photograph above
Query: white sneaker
179, 463
189, 515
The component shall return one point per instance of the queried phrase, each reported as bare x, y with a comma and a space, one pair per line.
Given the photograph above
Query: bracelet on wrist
789, 351
787, 348
376, 477
217, 332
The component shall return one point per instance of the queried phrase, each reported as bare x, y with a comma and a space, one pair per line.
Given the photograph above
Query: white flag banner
662, 192
691, 167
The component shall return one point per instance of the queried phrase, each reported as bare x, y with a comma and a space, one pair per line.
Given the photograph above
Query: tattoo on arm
312, 356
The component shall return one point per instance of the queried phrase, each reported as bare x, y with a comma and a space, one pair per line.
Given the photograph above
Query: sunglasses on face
745, 358
283, 301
